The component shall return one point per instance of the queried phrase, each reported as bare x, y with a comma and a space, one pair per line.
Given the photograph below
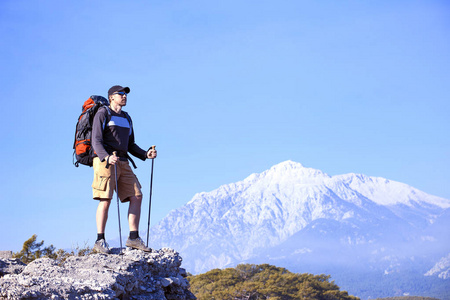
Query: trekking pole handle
107, 160
152, 148
115, 153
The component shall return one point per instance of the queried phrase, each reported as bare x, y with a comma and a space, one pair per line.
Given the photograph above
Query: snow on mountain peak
289, 175
388, 192
288, 164
285, 174
293, 171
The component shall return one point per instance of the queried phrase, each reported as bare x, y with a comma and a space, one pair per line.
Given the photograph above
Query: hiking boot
101, 246
137, 244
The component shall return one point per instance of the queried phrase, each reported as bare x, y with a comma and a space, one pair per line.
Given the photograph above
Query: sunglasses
120, 93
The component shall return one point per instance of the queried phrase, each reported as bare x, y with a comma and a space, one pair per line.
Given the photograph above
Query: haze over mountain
307, 221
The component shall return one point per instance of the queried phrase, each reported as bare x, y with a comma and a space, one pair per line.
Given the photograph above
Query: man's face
120, 98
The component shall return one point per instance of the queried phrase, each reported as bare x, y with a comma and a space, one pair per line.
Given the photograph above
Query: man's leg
130, 191
134, 212
102, 215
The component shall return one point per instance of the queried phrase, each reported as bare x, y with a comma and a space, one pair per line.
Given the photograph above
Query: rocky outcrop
134, 274
6, 254
11, 266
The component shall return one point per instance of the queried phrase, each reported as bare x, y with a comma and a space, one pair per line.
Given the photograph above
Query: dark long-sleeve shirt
114, 133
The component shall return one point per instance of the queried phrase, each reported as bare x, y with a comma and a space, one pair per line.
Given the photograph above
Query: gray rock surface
6, 254
11, 266
133, 275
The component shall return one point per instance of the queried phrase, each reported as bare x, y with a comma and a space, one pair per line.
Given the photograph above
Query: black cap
118, 88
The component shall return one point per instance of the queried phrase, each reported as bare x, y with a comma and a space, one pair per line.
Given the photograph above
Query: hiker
112, 131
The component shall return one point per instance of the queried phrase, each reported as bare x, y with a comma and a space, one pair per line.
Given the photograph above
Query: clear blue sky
224, 89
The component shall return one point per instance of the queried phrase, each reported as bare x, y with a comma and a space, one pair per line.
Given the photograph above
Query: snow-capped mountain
304, 219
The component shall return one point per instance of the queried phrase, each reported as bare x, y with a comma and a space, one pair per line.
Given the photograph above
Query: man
112, 131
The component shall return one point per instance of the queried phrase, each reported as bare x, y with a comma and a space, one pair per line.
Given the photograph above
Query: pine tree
31, 250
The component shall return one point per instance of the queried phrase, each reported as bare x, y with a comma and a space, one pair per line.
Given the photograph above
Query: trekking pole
118, 208
150, 200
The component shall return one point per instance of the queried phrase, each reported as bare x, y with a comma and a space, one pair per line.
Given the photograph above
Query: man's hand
151, 153
112, 159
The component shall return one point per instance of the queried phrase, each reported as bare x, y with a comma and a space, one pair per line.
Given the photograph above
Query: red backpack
83, 151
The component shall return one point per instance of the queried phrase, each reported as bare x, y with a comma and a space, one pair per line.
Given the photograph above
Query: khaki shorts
104, 182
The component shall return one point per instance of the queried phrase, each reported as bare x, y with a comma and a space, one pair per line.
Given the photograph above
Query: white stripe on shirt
119, 121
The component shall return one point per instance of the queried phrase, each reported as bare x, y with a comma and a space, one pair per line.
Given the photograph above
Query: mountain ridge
352, 179
237, 222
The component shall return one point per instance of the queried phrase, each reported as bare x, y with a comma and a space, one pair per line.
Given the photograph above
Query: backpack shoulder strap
128, 118
129, 121
131, 129
108, 117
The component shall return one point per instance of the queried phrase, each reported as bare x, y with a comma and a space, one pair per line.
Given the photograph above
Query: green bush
252, 282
